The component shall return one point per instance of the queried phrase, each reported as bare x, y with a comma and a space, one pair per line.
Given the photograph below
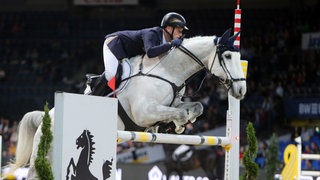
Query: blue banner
302, 108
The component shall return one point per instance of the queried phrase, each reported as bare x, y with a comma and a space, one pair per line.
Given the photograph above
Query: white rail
305, 156
171, 138
310, 156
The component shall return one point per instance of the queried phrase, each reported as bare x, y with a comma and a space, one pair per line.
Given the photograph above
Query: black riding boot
100, 87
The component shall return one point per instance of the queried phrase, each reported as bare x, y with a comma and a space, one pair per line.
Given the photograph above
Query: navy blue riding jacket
130, 43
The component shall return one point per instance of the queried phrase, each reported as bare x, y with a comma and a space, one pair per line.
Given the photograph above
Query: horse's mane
193, 39
199, 42
198, 38
90, 145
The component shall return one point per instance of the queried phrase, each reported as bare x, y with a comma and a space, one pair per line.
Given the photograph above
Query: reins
203, 67
195, 58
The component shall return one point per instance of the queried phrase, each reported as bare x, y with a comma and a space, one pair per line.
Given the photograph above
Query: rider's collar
163, 39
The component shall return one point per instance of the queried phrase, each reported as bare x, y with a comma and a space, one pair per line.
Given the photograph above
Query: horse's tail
27, 129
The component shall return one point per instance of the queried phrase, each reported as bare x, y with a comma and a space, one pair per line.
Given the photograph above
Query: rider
126, 44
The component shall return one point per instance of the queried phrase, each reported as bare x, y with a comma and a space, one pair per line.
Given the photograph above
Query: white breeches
110, 61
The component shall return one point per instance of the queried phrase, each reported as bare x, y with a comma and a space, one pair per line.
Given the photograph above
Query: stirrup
88, 90
97, 85
91, 79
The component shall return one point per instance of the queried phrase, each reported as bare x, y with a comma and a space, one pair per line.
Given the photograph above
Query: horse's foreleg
148, 114
195, 109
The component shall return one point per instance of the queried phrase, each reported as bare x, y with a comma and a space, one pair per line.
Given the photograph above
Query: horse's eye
227, 56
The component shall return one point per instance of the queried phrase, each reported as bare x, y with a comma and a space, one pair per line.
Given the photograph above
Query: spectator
314, 148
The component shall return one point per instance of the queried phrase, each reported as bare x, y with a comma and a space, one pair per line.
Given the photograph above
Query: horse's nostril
240, 91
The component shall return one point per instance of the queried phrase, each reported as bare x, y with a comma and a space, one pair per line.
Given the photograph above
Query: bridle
226, 82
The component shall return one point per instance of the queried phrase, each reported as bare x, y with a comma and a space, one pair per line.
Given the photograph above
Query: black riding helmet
175, 20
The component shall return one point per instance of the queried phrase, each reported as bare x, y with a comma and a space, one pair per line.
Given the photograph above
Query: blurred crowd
41, 52
9, 135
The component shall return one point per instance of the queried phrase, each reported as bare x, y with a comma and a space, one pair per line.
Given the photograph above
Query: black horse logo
81, 171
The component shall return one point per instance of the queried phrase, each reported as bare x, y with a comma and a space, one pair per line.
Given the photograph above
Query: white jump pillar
232, 132
231, 171
74, 115
233, 114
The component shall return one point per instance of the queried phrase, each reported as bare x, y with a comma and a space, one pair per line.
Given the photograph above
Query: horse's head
226, 65
82, 140
85, 141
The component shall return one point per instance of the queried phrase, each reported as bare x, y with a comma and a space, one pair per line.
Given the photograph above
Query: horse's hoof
179, 130
193, 120
162, 128
152, 129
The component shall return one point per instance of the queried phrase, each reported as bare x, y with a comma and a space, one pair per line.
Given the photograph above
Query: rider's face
177, 33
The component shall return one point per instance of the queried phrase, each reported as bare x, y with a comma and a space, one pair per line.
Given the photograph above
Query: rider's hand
176, 42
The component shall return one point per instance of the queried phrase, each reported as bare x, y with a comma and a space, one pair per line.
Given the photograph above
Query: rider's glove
176, 42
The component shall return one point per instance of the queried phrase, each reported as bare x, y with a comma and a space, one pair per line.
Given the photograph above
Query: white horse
153, 91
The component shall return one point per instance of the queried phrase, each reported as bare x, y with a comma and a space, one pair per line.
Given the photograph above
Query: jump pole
233, 115
171, 138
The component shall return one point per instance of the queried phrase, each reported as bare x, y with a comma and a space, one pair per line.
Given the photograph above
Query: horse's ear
233, 38
225, 37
